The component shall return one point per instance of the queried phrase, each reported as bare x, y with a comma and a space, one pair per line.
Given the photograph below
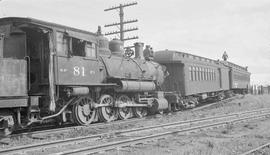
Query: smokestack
139, 50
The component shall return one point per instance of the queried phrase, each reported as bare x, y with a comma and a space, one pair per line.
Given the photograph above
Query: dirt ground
180, 144
230, 140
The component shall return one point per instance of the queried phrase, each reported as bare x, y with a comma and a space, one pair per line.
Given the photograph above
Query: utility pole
121, 24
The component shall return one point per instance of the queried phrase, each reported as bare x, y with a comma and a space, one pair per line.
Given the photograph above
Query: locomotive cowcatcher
55, 73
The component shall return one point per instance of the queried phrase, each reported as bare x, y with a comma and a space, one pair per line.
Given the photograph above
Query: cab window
78, 47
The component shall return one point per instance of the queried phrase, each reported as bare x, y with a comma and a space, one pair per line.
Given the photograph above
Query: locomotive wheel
124, 113
106, 114
140, 112
220, 97
83, 111
10, 123
176, 107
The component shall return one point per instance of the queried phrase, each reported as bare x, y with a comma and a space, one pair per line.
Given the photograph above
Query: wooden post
51, 73
1, 45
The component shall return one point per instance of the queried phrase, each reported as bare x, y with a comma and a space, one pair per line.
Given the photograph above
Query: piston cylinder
136, 86
159, 104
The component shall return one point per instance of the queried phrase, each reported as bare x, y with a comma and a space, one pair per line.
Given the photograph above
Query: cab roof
42, 23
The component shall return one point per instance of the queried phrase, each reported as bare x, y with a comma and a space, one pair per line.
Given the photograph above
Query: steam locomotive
51, 72
55, 73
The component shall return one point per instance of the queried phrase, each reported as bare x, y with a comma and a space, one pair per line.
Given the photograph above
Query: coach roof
170, 56
41, 23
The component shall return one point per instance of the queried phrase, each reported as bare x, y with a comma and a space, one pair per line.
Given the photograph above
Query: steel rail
65, 129
102, 124
133, 141
256, 149
200, 120
215, 103
98, 136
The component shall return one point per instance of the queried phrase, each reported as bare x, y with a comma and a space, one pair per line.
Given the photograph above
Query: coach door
230, 78
220, 78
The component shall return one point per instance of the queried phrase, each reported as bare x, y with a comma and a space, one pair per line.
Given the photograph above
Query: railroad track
74, 128
41, 132
99, 142
215, 103
257, 149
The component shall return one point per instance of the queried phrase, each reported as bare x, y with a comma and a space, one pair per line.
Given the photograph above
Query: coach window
78, 47
208, 74
212, 74
190, 74
90, 50
202, 75
205, 75
213, 78
193, 74
199, 72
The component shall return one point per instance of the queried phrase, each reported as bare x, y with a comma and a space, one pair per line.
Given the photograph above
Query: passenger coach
196, 78
239, 77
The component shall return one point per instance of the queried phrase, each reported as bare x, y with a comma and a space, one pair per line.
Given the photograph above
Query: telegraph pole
121, 24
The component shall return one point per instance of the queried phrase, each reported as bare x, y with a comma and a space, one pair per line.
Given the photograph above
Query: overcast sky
202, 27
